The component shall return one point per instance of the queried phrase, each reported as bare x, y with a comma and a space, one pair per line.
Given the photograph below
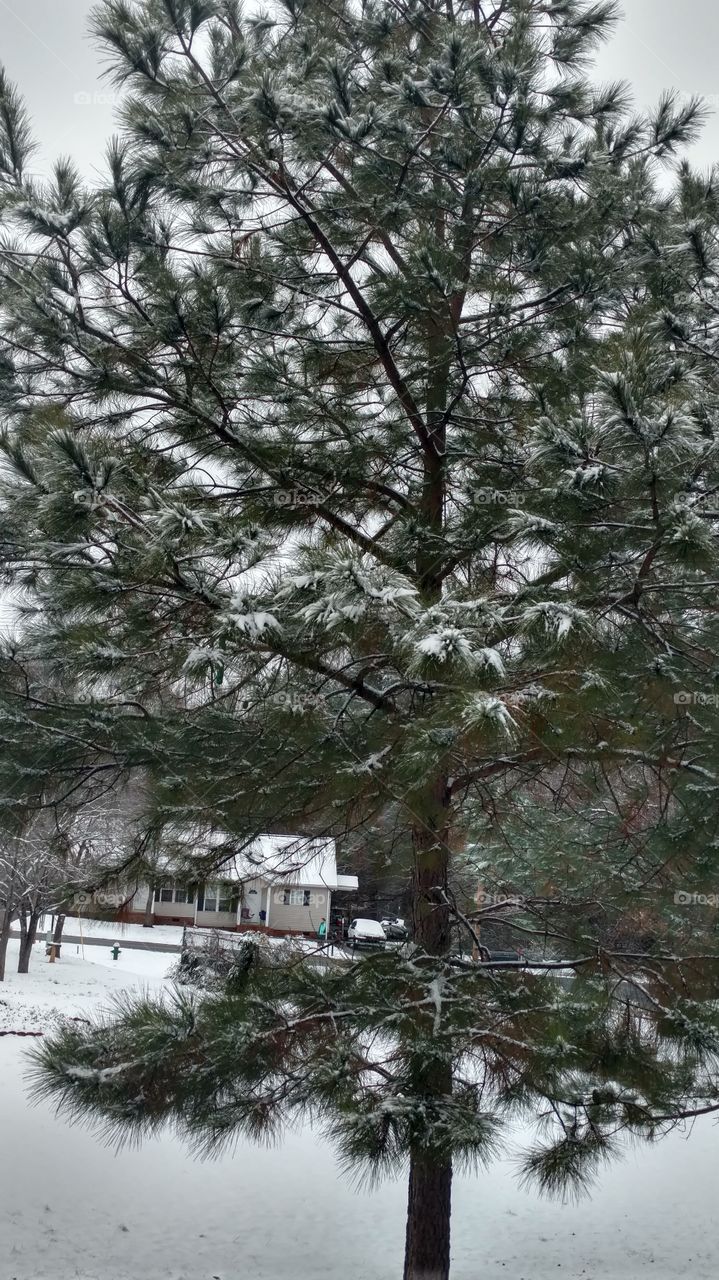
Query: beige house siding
217, 919
298, 917
280, 916
179, 910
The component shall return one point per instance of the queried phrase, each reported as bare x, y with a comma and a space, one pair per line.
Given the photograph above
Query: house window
296, 897
168, 893
218, 897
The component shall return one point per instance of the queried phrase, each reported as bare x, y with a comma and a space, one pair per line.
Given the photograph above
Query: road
126, 944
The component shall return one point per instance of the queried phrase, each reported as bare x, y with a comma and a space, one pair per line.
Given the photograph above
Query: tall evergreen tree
347, 438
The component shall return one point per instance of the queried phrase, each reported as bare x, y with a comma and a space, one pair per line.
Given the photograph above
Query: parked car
395, 929
366, 933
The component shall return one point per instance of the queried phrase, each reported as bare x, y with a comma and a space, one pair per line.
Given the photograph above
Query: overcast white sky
45, 48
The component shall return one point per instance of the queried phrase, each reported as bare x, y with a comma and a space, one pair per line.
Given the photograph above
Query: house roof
296, 860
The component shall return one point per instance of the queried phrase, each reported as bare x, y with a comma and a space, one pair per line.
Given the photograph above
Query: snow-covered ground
79, 926
73, 985
163, 934
71, 1209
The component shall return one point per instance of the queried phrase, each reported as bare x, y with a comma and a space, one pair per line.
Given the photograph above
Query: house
278, 884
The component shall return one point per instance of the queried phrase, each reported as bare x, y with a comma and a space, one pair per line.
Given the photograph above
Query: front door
252, 905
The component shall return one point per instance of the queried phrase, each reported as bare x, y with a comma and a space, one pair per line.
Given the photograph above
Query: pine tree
351, 427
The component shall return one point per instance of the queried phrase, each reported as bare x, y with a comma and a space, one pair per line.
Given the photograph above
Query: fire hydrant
115, 951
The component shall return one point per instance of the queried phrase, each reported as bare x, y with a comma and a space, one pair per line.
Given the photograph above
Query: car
366, 933
395, 929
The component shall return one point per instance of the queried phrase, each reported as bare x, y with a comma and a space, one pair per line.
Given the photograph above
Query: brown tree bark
149, 921
430, 874
429, 1200
28, 935
5, 918
429, 1207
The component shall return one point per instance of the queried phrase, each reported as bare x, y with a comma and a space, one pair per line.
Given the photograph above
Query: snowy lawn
70, 1209
73, 985
80, 926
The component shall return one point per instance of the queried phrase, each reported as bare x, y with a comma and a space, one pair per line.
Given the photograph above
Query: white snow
72, 1209
79, 926
299, 860
73, 986
488, 709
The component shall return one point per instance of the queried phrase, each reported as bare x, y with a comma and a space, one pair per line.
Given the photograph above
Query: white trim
347, 882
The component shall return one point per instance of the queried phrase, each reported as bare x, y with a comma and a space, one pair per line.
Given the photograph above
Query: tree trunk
57, 931
430, 876
429, 1205
28, 932
5, 918
22, 921
149, 911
